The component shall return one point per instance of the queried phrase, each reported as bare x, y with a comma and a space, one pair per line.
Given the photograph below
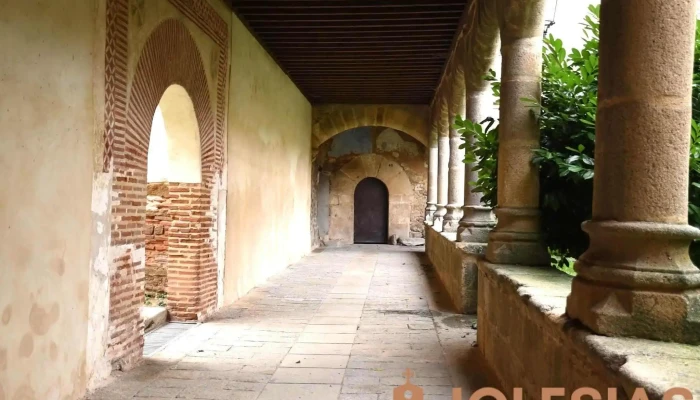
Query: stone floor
342, 324
159, 337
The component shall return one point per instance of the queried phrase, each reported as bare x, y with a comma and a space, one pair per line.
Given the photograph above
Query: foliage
566, 114
158, 300
567, 128
481, 149
694, 201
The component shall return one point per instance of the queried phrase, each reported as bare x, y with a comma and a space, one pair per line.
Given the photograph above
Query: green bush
566, 114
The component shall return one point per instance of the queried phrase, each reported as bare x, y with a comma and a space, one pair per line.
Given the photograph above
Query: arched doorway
371, 211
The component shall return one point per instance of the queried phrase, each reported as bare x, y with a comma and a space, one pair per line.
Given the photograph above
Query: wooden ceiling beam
357, 51
341, 4
366, 46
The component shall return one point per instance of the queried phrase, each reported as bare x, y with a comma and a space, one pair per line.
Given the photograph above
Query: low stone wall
455, 264
529, 342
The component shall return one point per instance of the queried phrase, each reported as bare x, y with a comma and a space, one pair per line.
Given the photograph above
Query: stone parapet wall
456, 265
529, 342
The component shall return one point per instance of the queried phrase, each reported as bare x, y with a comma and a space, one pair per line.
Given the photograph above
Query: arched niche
174, 153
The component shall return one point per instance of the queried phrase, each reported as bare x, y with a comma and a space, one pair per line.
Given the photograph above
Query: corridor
344, 323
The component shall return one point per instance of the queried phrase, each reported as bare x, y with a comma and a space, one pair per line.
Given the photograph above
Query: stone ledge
455, 264
522, 311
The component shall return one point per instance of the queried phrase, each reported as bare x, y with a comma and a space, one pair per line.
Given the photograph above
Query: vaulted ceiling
357, 51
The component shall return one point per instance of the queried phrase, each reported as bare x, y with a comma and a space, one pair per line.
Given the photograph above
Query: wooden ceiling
357, 51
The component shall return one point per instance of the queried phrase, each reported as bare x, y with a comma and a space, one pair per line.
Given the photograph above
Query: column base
429, 212
452, 217
636, 279
438, 217
613, 311
516, 239
475, 225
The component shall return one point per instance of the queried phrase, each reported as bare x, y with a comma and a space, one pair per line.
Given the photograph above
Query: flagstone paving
342, 324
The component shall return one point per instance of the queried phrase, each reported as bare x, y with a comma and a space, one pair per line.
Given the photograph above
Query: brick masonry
169, 56
157, 226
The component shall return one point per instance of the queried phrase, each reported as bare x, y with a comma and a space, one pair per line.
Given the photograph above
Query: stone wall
314, 231
530, 343
378, 152
455, 264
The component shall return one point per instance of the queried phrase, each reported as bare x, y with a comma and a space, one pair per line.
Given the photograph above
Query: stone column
431, 206
443, 164
479, 56
636, 278
455, 193
477, 220
516, 239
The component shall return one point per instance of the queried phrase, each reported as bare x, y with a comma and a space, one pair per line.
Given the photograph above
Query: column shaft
443, 166
636, 278
455, 193
431, 206
477, 220
516, 239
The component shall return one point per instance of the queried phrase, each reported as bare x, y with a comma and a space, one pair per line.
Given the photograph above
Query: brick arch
343, 184
331, 120
169, 56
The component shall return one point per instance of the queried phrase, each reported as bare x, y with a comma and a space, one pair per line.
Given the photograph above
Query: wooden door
371, 211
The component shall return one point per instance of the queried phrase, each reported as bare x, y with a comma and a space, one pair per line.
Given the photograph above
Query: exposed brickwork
126, 325
169, 56
157, 226
116, 59
191, 264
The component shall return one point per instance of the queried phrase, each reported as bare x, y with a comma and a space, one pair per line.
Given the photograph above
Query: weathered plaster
98, 365
269, 166
48, 124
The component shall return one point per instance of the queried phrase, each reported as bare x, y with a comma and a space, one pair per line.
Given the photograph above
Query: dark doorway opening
371, 211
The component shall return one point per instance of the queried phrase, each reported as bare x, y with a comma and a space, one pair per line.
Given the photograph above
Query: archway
371, 212
174, 169
169, 56
331, 120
